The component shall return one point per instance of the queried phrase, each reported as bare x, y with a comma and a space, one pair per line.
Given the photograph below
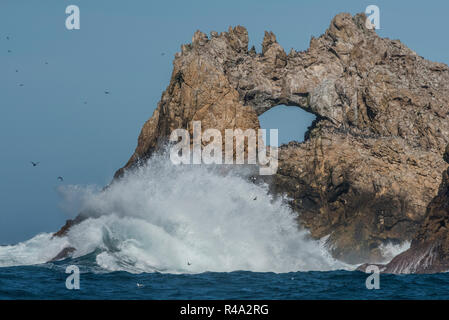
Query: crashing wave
192, 218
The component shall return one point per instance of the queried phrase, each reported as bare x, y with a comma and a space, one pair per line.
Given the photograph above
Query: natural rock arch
372, 159
292, 123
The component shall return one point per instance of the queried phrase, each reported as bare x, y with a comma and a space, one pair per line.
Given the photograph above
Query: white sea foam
162, 217
39, 249
390, 250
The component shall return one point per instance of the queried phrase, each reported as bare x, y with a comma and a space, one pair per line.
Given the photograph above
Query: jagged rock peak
199, 38
238, 38
268, 40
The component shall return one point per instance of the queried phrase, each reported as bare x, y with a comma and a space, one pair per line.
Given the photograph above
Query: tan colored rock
429, 250
370, 163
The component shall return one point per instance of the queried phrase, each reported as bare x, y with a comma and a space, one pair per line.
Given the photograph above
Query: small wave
37, 250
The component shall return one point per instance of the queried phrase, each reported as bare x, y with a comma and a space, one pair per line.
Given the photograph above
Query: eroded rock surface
371, 162
429, 250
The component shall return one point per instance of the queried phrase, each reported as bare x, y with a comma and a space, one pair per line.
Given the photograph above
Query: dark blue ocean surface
48, 282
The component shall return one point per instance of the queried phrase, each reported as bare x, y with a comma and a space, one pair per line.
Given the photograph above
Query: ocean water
48, 282
191, 232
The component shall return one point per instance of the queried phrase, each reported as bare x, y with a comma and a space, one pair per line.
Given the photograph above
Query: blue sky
119, 48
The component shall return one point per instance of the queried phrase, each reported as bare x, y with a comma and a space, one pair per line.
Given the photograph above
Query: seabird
188, 263
139, 285
34, 163
255, 198
106, 92
163, 54
60, 178
21, 85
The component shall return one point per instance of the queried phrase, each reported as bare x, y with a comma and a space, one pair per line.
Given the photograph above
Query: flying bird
255, 198
188, 263
21, 85
9, 51
139, 285
106, 92
34, 163
7, 37
163, 54
60, 178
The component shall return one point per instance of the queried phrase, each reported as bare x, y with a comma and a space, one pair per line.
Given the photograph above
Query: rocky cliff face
371, 162
429, 250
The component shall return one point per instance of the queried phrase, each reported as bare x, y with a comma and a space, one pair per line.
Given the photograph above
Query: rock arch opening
292, 123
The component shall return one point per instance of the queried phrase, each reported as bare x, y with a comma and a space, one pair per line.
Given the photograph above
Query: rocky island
369, 170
